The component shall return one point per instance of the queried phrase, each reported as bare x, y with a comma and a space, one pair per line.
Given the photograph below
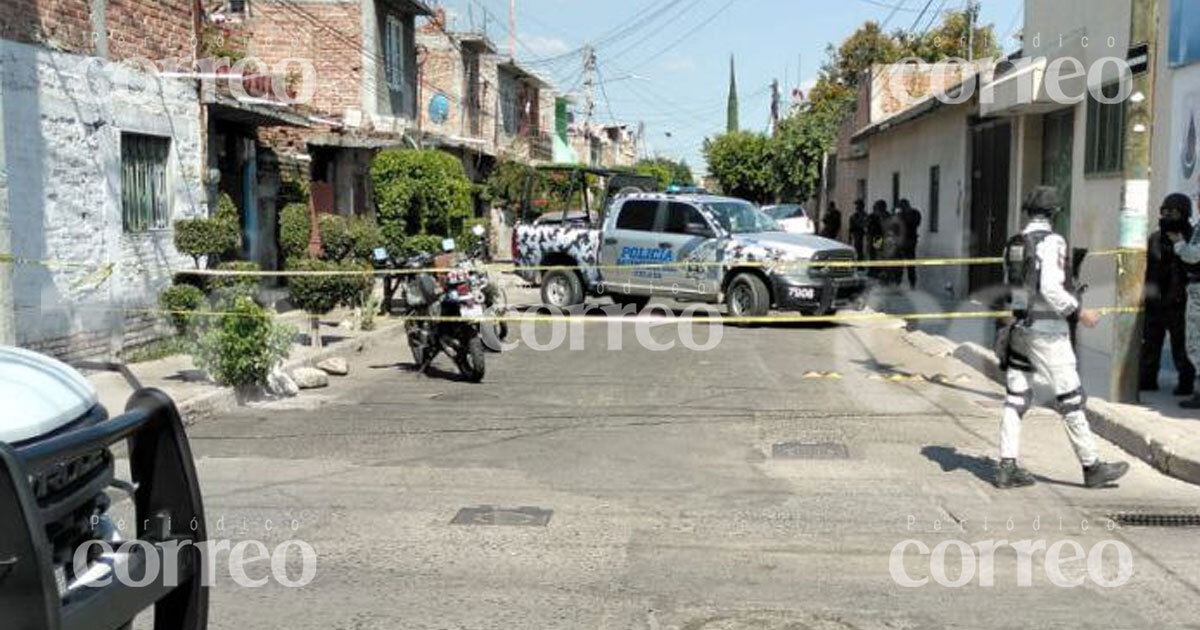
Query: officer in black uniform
1037, 270
1165, 298
858, 228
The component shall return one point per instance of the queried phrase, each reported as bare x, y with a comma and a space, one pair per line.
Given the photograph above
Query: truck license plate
802, 293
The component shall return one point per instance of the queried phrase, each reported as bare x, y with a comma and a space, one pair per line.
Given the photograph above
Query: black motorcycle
427, 301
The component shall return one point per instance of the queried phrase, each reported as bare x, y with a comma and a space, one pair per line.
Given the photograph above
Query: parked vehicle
792, 218
558, 229
740, 258
451, 297
485, 285
59, 490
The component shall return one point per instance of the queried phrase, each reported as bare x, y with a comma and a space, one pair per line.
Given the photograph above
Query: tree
742, 164
801, 141
419, 192
666, 171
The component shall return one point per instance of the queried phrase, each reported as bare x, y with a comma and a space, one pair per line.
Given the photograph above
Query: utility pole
775, 98
1135, 206
971, 30
589, 87
512, 28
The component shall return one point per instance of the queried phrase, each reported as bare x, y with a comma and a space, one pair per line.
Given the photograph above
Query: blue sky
681, 59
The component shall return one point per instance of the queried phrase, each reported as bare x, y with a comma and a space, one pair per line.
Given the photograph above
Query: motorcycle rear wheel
470, 359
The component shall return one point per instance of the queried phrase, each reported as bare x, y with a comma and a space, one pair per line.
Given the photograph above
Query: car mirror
698, 229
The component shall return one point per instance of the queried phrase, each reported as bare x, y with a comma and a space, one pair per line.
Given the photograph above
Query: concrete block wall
63, 116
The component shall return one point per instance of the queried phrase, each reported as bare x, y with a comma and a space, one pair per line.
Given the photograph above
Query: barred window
1105, 133
144, 182
394, 49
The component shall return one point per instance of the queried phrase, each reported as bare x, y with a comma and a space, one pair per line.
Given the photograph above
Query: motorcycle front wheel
470, 359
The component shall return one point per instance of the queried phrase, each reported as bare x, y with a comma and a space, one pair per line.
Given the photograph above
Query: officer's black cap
1042, 200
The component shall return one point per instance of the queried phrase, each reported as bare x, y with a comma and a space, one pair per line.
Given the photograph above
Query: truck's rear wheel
562, 288
747, 296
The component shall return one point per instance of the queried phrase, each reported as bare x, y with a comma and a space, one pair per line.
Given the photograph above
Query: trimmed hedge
181, 300
213, 238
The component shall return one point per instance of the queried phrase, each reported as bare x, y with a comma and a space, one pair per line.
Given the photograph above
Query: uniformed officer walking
1038, 274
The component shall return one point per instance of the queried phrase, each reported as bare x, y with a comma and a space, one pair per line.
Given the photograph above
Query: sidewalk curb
1107, 421
205, 406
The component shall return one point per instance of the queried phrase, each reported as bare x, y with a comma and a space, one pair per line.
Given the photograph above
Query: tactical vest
1023, 277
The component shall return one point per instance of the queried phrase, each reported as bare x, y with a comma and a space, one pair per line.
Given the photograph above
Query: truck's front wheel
562, 288
748, 296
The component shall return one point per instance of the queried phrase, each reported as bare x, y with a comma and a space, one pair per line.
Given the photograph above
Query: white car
792, 218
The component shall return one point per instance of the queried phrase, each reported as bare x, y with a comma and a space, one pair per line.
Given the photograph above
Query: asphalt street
761, 484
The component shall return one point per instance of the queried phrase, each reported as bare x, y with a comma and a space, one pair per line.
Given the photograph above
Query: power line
920, 16
691, 32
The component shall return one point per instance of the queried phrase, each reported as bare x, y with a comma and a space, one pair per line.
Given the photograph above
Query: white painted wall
62, 121
938, 139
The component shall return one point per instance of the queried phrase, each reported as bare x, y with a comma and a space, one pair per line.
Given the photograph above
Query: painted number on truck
802, 293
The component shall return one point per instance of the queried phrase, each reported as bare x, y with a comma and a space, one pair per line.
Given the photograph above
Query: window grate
144, 182
1105, 133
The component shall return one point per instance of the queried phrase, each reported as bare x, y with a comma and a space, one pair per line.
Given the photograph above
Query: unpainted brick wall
327, 34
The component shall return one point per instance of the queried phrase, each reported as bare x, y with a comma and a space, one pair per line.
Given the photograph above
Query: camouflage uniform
1189, 252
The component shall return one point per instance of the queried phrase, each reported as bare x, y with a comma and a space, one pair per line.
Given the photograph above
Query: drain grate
1143, 519
510, 517
809, 450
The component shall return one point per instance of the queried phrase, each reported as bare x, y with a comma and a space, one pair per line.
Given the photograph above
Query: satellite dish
439, 108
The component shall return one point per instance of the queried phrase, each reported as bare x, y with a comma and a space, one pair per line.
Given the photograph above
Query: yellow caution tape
511, 267
734, 320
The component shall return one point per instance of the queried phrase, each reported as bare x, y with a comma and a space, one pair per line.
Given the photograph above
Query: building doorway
990, 151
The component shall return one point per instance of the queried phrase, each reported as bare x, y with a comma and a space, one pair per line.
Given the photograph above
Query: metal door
990, 152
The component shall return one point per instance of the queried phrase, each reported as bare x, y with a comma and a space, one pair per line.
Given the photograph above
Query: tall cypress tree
731, 115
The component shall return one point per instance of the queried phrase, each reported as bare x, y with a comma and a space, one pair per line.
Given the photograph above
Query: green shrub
419, 192
227, 288
181, 300
242, 346
294, 231
315, 295
356, 290
427, 243
213, 238
336, 243
365, 236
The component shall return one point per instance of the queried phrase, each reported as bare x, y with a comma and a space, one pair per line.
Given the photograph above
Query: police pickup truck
690, 248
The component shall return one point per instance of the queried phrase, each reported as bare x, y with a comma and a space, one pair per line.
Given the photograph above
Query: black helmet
1042, 201
1178, 202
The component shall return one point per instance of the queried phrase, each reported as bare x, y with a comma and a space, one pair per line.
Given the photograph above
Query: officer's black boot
1103, 473
1010, 475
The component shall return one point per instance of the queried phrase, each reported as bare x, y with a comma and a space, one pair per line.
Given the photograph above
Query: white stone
282, 385
336, 366
310, 378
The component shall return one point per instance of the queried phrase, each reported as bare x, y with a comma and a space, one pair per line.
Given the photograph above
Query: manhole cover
809, 450
1143, 519
513, 517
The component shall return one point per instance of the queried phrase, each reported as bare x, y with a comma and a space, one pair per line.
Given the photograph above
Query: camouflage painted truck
689, 248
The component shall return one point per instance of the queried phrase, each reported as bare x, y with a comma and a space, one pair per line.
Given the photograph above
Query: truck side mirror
698, 229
